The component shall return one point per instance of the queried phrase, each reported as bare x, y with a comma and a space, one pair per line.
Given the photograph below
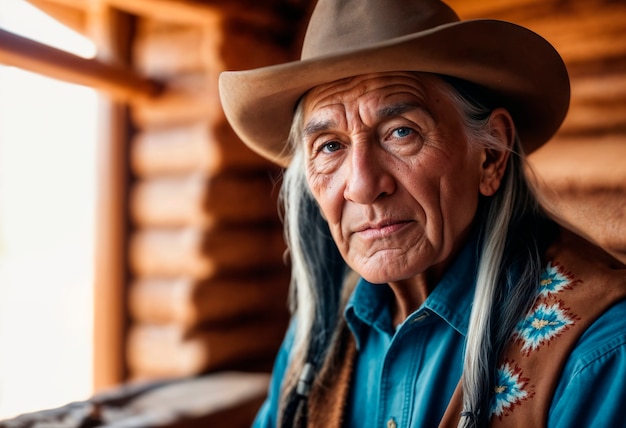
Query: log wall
206, 255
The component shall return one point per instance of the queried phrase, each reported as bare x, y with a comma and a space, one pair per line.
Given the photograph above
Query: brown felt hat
351, 37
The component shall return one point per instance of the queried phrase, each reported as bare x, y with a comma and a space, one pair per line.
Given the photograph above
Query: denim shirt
405, 376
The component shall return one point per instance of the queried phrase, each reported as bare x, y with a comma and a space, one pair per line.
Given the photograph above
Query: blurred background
140, 240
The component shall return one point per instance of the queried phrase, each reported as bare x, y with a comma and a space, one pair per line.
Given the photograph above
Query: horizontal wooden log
594, 119
207, 13
169, 351
119, 83
527, 10
203, 202
489, 8
186, 99
203, 146
603, 87
582, 163
598, 104
168, 51
597, 48
188, 303
201, 254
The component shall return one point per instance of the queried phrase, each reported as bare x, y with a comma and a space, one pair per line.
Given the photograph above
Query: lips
381, 229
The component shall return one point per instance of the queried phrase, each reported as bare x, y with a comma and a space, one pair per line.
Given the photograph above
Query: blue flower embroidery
510, 389
541, 325
553, 281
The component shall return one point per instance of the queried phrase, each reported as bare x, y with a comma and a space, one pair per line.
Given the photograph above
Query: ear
495, 160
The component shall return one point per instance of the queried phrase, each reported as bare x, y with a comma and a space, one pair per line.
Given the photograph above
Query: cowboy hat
352, 37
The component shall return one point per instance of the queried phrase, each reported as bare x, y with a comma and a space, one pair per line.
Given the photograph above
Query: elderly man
430, 287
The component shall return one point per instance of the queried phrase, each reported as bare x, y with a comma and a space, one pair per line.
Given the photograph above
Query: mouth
381, 229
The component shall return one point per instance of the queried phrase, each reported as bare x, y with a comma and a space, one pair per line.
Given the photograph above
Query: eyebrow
398, 109
316, 126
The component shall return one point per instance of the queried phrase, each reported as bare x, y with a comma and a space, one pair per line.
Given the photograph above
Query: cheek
329, 197
461, 200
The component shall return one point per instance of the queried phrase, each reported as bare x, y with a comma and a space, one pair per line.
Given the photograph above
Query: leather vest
578, 284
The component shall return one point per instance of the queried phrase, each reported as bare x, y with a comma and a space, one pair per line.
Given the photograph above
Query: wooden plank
188, 303
180, 49
119, 83
201, 254
162, 351
594, 120
205, 146
210, 13
606, 86
168, 51
582, 163
193, 200
110, 264
467, 9
521, 11
187, 98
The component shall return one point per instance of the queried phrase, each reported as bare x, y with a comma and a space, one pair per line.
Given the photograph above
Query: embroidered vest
578, 284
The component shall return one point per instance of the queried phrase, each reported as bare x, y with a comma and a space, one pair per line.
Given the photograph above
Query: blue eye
402, 132
331, 146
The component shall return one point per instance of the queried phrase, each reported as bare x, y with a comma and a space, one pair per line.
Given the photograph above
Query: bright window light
47, 196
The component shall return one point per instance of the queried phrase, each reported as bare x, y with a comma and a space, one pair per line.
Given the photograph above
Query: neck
410, 294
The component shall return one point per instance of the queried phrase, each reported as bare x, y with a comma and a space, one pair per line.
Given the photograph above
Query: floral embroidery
554, 280
545, 321
510, 390
548, 318
542, 324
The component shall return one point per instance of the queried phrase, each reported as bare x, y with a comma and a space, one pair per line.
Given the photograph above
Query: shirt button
421, 317
391, 423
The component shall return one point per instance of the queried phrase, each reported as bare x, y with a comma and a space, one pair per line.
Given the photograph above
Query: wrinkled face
392, 171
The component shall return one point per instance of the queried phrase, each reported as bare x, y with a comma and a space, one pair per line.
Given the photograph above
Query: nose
368, 175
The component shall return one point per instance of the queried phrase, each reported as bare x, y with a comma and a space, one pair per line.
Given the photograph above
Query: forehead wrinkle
315, 126
341, 93
399, 109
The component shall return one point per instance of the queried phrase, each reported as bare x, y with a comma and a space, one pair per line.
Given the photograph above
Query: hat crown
341, 25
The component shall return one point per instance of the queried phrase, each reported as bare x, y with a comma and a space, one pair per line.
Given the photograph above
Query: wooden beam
110, 31
203, 13
120, 83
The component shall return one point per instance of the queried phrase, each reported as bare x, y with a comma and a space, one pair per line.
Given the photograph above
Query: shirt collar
451, 299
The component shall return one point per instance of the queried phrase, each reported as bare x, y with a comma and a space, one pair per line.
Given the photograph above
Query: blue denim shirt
408, 374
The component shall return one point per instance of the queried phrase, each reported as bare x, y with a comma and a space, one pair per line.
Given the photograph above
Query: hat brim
520, 67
